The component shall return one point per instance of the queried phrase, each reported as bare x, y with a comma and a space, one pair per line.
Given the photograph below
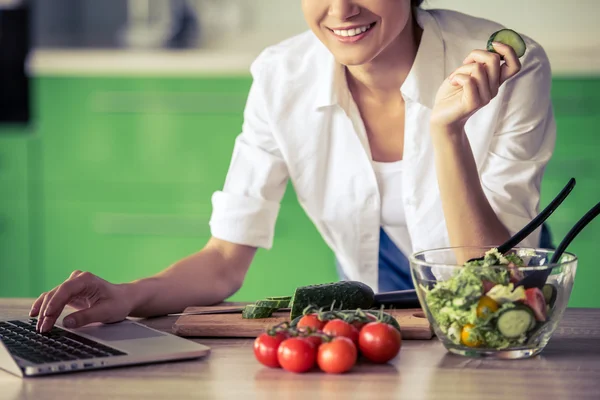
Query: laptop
26, 353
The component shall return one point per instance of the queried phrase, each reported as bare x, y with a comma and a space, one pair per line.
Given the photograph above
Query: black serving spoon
538, 278
536, 222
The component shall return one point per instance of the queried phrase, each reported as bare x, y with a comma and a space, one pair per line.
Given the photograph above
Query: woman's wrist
444, 135
138, 294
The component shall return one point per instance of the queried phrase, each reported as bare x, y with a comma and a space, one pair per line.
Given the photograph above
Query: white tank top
393, 218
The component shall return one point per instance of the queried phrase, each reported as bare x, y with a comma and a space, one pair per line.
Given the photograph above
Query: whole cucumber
344, 294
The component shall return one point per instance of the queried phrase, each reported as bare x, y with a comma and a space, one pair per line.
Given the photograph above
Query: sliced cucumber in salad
516, 321
509, 38
550, 293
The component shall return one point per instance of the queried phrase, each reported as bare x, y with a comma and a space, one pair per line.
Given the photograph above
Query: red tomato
337, 327
359, 324
379, 342
487, 286
534, 298
515, 273
311, 321
314, 340
296, 354
265, 348
337, 356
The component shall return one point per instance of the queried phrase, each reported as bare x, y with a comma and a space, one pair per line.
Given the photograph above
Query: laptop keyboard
22, 340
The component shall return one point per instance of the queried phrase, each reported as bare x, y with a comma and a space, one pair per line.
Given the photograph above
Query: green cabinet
128, 167
577, 109
15, 278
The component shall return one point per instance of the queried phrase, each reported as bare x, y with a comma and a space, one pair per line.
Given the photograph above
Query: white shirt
393, 218
295, 128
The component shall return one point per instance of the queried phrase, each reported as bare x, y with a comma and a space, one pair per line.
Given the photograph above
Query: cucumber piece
346, 294
510, 38
252, 311
288, 298
550, 294
516, 321
277, 304
536, 333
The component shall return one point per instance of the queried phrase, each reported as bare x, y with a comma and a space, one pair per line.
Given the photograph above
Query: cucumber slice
277, 304
288, 298
252, 311
510, 38
516, 321
550, 293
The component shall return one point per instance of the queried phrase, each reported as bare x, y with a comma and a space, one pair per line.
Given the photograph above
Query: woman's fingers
61, 297
101, 312
492, 65
511, 65
470, 88
50, 306
45, 300
37, 304
479, 74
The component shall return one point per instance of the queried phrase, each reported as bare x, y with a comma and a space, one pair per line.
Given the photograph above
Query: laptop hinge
7, 362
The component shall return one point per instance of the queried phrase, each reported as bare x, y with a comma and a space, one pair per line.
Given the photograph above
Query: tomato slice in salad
534, 298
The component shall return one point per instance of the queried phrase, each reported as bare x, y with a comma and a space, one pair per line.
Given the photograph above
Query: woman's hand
96, 299
472, 86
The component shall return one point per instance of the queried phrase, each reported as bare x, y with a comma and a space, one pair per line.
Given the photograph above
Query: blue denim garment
394, 267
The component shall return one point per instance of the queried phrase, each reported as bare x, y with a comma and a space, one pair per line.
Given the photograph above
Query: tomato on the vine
266, 346
315, 340
296, 354
360, 324
337, 356
338, 327
311, 321
379, 342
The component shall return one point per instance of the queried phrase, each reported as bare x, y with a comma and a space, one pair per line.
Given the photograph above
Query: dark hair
416, 3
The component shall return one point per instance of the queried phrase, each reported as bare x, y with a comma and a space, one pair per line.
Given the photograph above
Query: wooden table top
569, 368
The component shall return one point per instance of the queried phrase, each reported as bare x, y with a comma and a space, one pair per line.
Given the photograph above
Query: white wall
569, 30
555, 24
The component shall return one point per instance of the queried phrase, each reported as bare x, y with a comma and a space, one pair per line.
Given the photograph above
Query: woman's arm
475, 214
204, 278
470, 219
207, 277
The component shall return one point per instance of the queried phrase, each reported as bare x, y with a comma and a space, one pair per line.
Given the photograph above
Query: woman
399, 134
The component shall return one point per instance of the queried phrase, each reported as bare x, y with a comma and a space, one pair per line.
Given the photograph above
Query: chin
351, 60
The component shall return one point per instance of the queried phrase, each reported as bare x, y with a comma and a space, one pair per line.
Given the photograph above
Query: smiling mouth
353, 31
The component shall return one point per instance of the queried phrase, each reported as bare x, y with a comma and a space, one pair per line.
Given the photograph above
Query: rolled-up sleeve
522, 146
245, 211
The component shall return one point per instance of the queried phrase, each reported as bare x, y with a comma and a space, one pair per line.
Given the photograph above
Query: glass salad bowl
476, 309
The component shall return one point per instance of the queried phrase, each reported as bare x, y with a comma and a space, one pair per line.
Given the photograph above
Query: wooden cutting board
413, 323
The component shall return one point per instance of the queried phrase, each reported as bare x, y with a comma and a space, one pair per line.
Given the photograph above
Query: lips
353, 31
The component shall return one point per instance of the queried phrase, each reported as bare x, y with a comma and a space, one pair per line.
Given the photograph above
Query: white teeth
352, 32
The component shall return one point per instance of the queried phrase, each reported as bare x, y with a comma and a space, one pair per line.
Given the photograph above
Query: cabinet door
577, 109
129, 167
14, 212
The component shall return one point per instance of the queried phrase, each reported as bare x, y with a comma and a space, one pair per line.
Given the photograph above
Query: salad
481, 307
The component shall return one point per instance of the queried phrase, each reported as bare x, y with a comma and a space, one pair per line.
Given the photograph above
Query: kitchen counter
569, 368
223, 62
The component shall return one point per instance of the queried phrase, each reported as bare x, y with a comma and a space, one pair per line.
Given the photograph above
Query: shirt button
368, 237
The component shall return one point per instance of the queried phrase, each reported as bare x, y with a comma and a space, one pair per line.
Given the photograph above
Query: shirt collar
421, 84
